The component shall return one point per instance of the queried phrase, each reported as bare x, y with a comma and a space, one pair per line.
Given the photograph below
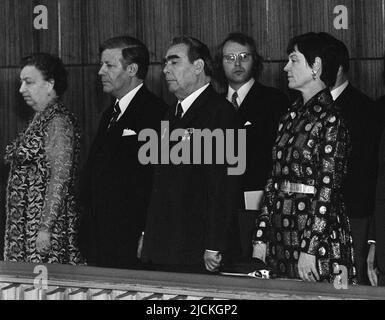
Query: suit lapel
101, 133
192, 111
251, 96
105, 121
128, 119
249, 108
344, 97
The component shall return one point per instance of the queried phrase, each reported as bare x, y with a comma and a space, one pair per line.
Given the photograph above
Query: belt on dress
290, 187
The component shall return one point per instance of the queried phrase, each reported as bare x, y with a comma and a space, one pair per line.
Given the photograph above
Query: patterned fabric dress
311, 149
40, 191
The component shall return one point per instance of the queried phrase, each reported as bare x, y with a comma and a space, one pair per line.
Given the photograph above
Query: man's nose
165, 68
22, 88
237, 61
101, 70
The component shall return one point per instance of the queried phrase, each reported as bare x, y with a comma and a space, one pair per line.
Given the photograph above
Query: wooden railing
19, 282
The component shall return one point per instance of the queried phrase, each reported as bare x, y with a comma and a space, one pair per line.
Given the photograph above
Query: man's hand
43, 242
372, 271
212, 260
306, 267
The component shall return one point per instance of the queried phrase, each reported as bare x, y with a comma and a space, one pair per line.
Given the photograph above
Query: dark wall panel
71, 36
161, 20
16, 36
102, 19
48, 40
211, 20
278, 30
368, 76
95, 102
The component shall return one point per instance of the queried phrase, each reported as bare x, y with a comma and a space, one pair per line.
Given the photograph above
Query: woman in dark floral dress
42, 221
303, 231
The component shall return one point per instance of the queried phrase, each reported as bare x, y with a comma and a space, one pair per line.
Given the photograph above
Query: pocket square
128, 132
247, 124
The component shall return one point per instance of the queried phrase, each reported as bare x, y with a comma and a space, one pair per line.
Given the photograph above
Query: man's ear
132, 69
199, 65
340, 71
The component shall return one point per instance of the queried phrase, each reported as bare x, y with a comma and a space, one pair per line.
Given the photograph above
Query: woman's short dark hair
321, 45
51, 67
133, 51
196, 50
243, 40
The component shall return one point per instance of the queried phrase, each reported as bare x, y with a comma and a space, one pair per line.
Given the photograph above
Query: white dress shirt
242, 91
188, 101
337, 91
126, 100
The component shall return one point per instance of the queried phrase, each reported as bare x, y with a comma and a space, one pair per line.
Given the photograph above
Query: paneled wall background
77, 27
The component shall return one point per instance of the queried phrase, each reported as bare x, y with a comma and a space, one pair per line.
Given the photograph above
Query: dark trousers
246, 220
381, 279
361, 247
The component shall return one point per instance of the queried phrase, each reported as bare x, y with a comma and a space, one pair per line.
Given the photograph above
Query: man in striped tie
259, 109
117, 187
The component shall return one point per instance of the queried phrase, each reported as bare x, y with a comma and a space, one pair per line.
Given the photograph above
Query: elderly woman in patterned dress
303, 231
41, 225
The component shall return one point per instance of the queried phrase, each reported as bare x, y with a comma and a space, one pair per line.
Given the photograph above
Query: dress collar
322, 98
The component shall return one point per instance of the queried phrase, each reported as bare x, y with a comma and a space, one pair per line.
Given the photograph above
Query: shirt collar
187, 102
126, 100
242, 91
337, 91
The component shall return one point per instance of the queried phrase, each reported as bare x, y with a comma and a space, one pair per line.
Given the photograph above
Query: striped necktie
234, 100
115, 114
179, 111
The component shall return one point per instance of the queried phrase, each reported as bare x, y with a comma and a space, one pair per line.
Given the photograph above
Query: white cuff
212, 251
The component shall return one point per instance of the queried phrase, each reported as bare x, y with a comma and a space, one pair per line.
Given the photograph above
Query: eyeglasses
233, 57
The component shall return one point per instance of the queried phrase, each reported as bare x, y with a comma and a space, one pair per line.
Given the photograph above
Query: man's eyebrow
173, 56
293, 55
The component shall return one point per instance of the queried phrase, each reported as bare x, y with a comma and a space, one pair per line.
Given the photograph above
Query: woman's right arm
263, 222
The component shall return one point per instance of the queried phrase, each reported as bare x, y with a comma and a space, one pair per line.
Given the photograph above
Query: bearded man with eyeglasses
259, 108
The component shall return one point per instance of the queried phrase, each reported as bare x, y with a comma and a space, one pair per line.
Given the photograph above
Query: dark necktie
179, 111
115, 114
234, 100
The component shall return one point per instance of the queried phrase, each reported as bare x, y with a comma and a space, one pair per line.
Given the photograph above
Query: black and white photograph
192, 154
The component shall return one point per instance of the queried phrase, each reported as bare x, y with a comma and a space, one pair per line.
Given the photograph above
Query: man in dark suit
117, 186
259, 109
376, 255
191, 224
359, 187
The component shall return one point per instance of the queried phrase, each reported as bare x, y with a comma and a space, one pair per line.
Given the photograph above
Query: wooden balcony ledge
18, 282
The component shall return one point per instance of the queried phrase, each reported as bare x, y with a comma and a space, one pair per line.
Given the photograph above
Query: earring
314, 74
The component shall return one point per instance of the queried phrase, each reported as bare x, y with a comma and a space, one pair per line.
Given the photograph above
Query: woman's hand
43, 242
372, 271
306, 267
